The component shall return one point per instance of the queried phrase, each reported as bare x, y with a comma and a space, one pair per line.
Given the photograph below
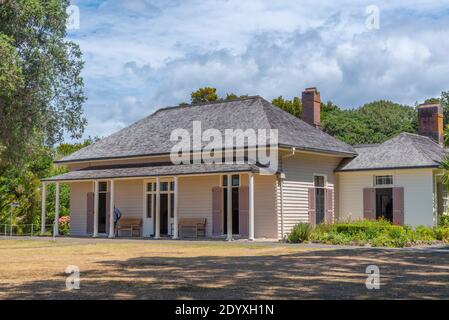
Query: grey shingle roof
151, 135
406, 150
151, 170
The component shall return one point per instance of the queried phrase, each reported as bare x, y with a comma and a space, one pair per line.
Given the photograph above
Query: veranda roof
150, 170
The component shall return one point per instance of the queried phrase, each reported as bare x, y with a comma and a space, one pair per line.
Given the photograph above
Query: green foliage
41, 97
300, 233
379, 233
443, 220
206, 94
65, 149
22, 185
374, 122
442, 234
293, 107
64, 225
445, 167
424, 233
41, 93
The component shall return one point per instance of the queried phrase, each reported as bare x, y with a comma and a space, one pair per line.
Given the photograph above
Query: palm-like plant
445, 166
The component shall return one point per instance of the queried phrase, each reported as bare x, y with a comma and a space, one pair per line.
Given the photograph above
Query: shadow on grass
330, 274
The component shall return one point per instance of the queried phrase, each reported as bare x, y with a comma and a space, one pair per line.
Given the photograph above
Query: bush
64, 225
442, 234
424, 233
380, 233
443, 220
300, 233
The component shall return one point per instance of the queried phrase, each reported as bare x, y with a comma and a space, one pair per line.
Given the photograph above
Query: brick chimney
430, 119
311, 104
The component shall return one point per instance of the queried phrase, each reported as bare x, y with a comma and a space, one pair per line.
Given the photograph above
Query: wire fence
7, 231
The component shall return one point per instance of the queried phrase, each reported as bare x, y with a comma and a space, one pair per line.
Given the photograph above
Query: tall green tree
43, 99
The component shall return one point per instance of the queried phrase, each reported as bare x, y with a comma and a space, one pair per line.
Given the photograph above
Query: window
172, 186
235, 180
383, 180
225, 181
149, 203
319, 181
150, 187
164, 186
103, 187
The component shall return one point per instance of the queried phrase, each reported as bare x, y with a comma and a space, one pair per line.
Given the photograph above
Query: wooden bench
129, 224
196, 226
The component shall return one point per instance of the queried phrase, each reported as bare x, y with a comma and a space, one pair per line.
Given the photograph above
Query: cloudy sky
145, 54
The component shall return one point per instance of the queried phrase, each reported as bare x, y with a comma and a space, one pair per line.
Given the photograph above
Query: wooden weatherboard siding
299, 171
418, 193
78, 207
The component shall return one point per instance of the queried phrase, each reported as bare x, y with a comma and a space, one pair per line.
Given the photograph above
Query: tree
43, 97
293, 107
206, 94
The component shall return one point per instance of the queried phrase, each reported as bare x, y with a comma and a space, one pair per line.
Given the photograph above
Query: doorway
102, 213
235, 211
384, 204
235, 185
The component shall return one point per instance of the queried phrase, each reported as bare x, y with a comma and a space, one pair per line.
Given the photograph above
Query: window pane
235, 180
164, 186
319, 181
172, 186
149, 198
103, 187
225, 181
149, 187
384, 180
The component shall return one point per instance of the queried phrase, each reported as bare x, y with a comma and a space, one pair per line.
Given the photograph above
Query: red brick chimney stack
311, 105
430, 119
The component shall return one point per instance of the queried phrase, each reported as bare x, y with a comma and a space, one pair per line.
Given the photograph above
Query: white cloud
143, 54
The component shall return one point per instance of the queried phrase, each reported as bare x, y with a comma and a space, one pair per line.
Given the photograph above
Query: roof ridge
191, 105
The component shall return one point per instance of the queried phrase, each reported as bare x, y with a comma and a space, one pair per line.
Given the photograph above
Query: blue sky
145, 54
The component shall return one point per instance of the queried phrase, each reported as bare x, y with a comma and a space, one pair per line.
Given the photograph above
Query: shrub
424, 233
443, 220
64, 225
300, 233
442, 234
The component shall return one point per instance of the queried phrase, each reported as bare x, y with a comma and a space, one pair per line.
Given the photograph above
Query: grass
213, 270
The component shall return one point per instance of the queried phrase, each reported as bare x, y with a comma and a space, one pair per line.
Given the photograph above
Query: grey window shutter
90, 213
329, 206
312, 206
243, 210
398, 206
369, 204
216, 211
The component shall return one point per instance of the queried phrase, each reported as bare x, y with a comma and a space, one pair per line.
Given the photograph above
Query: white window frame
320, 175
383, 185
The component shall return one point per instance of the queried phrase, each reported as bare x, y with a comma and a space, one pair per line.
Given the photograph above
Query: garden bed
380, 233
